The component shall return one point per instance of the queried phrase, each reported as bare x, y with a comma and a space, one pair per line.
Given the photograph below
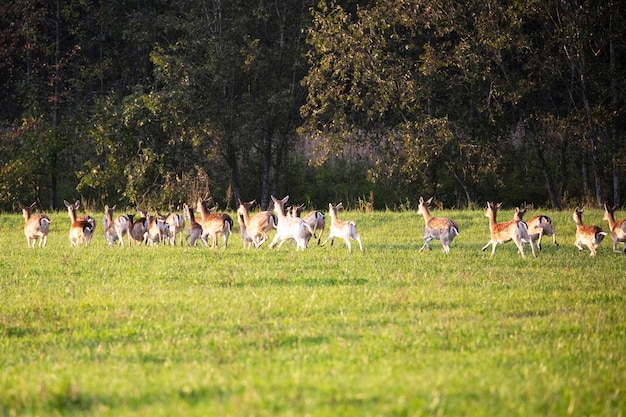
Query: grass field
171, 331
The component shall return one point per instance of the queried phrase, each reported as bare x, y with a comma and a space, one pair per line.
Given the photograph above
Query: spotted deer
81, 228
36, 226
538, 226
258, 225
214, 224
587, 235
618, 229
345, 229
504, 232
439, 228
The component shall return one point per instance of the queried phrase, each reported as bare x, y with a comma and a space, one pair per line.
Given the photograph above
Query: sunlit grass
198, 331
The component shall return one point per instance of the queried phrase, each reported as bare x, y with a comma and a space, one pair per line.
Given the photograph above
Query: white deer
517, 231
345, 229
36, 226
315, 219
587, 235
618, 229
289, 227
439, 228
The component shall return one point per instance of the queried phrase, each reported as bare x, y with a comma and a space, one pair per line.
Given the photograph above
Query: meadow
193, 331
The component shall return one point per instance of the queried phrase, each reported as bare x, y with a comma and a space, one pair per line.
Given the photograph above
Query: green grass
168, 331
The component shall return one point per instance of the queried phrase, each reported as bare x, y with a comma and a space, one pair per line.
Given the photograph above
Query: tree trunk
554, 197
266, 171
596, 171
55, 109
235, 179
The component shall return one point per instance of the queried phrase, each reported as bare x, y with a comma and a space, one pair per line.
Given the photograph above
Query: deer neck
72, 213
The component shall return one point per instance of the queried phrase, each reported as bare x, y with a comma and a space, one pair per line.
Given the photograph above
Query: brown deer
81, 228
538, 226
590, 236
258, 225
442, 229
517, 231
345, 229
194, 231
214, 224
618, 229
36, 226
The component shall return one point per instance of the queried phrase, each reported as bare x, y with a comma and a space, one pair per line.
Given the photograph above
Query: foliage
155, 103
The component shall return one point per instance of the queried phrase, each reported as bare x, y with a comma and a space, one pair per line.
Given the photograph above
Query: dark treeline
153, 103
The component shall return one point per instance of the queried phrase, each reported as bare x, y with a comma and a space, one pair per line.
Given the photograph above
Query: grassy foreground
172, 331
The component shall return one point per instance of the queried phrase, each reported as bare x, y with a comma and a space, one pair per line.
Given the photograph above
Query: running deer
315, 219
439, 228
176, 224
258, 225
618, 229
122, 227
590, 236
514, 230
158, 230
81, 228
341, 228
289, 227
110, 234
138, 229
36, 226
538, 226
115, 229
245, 237
194, 231
214, 224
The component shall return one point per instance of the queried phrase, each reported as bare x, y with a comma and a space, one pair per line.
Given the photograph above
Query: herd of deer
169, 228
289, 225
519, 231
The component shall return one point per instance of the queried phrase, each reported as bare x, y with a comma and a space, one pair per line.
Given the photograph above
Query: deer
110, 234
258, 225
587, 235
315, 219
618, 229
214, 224
138, 229
194, 231
514, 230
439, 228
538, 226
115, 229
245, 237
341, 228
36, 226
176, 224
158, 230
81, 228
289, 227
122, 227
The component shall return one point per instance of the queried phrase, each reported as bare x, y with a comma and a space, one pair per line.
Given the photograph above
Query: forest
375, 103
